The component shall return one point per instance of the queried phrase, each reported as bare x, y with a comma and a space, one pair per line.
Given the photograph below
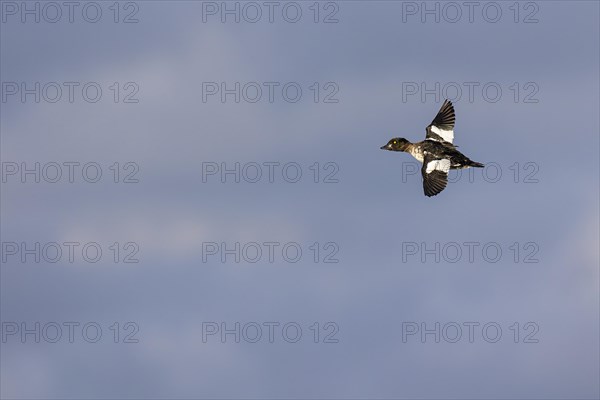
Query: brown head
396, 144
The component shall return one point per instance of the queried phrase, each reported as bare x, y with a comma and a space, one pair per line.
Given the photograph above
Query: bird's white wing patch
447, 136
438, 165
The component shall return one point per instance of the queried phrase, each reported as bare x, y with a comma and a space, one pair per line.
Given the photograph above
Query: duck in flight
436, 152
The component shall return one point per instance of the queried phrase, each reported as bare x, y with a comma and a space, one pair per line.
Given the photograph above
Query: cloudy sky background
369, 213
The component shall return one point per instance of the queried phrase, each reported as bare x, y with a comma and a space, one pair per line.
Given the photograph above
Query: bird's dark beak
385, 147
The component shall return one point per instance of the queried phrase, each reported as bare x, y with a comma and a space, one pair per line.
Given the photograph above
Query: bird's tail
475, 164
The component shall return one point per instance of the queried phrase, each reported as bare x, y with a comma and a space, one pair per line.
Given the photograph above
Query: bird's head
396, 144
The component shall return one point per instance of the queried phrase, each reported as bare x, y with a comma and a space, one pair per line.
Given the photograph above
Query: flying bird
436, 152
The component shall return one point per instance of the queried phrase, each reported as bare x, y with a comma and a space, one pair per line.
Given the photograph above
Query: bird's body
440, 151
437, 152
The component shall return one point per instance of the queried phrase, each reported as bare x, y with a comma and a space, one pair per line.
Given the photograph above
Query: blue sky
547, 132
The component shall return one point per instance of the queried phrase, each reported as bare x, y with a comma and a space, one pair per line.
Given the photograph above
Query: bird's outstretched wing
441, 128
435, 174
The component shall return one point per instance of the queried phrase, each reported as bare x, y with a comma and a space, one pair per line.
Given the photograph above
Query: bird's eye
395, 142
